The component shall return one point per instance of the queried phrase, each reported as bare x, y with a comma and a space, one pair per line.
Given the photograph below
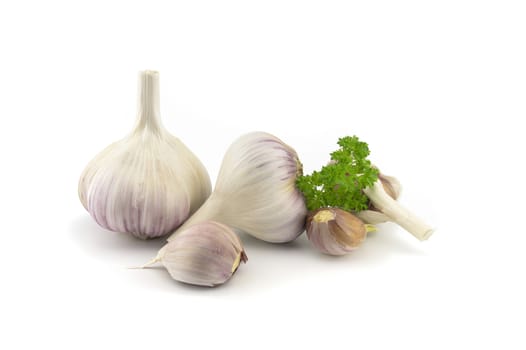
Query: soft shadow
392, 240
158, 277
378, 248
269, 266
100, 242
252, 243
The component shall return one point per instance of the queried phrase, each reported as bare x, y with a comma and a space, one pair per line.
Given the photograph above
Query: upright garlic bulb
148, 183
256, 190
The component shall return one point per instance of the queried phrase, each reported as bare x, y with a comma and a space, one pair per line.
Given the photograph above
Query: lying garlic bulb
255, 190
148, 183
335, 231
206, 254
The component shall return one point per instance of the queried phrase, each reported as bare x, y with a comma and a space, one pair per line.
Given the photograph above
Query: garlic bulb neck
148, 109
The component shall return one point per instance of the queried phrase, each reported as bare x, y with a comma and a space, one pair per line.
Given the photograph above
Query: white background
437, 89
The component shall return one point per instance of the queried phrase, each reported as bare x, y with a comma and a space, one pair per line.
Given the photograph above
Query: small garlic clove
335, 231
205, 254
148, 183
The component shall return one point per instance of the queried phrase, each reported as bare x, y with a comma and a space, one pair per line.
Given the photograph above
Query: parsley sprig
340, 183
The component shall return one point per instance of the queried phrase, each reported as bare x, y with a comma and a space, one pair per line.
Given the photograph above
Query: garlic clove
256, 192
206, 254
335, 231
148, 183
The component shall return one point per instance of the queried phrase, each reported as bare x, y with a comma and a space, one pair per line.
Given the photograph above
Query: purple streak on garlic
205, 254
255, 191
148, 183
335, 231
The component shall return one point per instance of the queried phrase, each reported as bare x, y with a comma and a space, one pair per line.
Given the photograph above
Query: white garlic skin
256, 192
393, 188
148, 183
391, 185
206, 254
335, 231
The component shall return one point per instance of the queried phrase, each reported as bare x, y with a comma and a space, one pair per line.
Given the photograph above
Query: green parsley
340, 183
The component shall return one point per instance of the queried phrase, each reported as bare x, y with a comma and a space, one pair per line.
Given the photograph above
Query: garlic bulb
206, 254
335, 231
148, 183
392, 187
256, 190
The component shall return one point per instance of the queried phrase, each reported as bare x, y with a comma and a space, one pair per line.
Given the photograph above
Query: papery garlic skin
393, 188
148, 183
256, 192
335, 231
391, 185
397, 213
384, 207
205, 254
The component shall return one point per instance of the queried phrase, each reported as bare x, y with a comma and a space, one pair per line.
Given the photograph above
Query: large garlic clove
148, 183
206, 254
256, 190
335, 231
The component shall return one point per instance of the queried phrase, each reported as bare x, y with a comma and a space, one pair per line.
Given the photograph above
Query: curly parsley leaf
340, 183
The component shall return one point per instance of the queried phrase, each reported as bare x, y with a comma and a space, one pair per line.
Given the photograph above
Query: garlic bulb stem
149, 114
397, 213
392, 187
